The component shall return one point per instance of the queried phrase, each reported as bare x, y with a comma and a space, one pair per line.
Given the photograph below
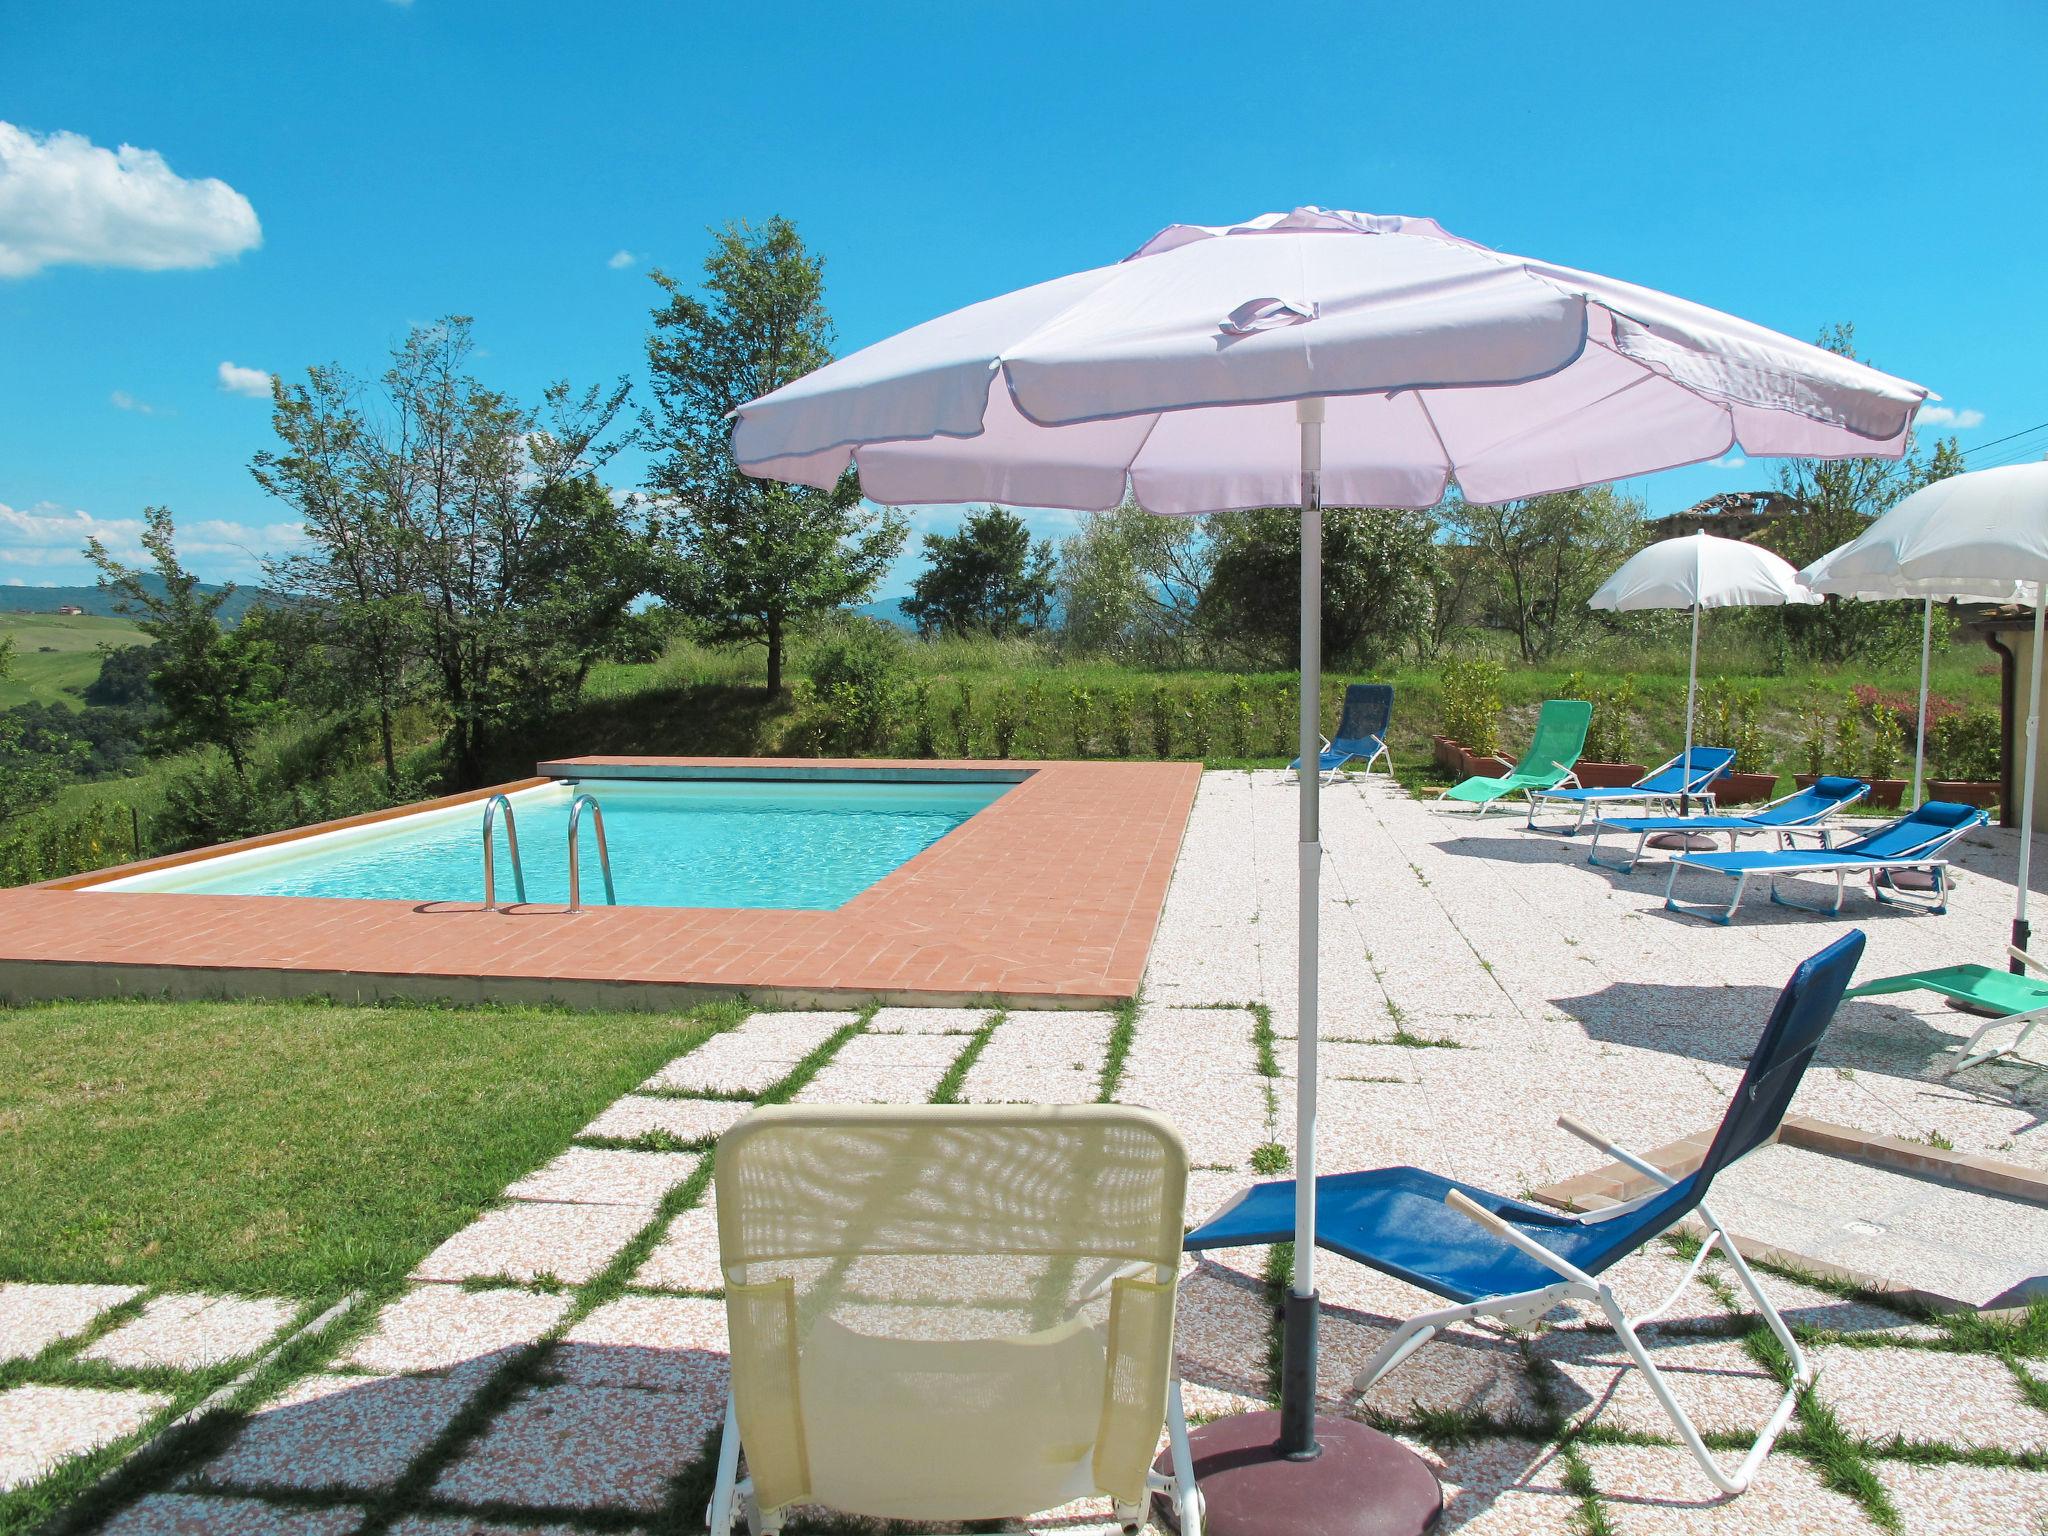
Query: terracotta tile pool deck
1049, 897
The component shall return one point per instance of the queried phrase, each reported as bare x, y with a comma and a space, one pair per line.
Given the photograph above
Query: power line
2009, 437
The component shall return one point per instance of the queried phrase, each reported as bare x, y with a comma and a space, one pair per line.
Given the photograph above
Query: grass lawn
293, 1149
56, 655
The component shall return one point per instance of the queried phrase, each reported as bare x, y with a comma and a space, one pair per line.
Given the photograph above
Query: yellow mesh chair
950, 1313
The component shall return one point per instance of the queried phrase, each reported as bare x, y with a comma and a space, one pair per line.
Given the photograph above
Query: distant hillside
99, 604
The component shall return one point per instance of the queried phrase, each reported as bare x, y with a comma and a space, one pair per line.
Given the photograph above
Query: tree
764, 556
1373, 593
1838, 499
1545, 555
31, 768
989, 578
460, 544
218, 686
1130, 583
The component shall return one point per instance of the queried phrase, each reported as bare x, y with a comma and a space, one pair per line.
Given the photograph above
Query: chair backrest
1560, 737
950, 1312
1822, 798
1368, 708
1690, 771
1792, 1034
1925, 831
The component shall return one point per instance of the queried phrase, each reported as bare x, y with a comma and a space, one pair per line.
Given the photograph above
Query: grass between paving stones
300, 1149
948, 1090
1121, 1036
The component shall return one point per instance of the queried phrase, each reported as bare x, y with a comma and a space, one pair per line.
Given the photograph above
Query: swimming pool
809, 844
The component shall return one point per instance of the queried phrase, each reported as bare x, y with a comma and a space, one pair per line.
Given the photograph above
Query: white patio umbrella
1302, 358
1698, 572
1819, 578
1972, 534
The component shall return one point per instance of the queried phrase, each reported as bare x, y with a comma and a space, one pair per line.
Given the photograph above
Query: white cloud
49, 539
621, 259
237, 380
121, 400
64, 199
1731, 461
1945, 416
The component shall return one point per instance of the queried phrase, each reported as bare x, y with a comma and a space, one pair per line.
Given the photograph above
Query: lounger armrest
1620, 1154
1472, 1210
2014, 952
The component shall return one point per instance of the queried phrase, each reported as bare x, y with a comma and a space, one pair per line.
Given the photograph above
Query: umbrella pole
1920, 720
1298, 1355
1692, 681
2020, 930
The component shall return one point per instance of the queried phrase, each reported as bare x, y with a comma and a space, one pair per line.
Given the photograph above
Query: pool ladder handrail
490, 854
604, 857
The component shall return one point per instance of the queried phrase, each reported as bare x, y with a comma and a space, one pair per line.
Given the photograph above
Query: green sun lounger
1553, 753
2014, 999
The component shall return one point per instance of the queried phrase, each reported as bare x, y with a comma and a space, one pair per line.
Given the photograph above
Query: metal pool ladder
603, 854
511, 841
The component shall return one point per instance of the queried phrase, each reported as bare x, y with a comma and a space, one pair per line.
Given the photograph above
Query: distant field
57, 655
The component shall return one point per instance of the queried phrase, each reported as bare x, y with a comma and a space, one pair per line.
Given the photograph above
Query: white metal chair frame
1525, 1307
1331, 775
1481, 807
1818, 828
1875, 869
1590, 807
2028, 1020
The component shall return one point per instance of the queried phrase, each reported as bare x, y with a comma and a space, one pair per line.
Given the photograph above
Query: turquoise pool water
807, 844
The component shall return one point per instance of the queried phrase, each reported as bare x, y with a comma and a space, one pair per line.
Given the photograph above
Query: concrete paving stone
352, 1433
1642, 1281
1501, 1487
664, 1343
469, 1525
440, 1327
1966, 1501
882, 1051
1458, 1372
1220, 1331
1661, 1491
189, 1332
42, 1426
569, 1447
1809, 1306
33, 1317
927, 1021
685, 1119
590, 1176
1721, 1389
686, 1258
985, 1084
199, 1514
1928, 1394
857, 1084
812, 1025
527, 1241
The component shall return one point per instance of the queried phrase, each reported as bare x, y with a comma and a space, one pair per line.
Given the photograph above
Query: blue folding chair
1911, 842
1491, 1256
1805, 811
1685, 777
1361, 732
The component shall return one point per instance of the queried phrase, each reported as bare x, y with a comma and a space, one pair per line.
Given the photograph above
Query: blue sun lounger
1911, 842
1684, 777
1361, 732
1490, 1256
1806, 811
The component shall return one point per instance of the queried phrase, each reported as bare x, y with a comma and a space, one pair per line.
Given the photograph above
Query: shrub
963, 720
1728, 715
1195, 723
1905, 706
1159, 714
1122, 717
924, 725
1237, 705
1003, 719
49, 847
1079, 702
1887, 745
1611, 737
856, 675
1848, 751
1813, 734
1967, 745
1472, 704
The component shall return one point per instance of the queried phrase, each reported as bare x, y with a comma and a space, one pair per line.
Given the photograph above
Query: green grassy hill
57, 655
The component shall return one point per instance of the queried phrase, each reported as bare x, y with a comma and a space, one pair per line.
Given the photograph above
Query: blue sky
526, 163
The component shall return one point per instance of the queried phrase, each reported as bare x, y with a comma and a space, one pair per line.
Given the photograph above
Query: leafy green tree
1130, 584
219, 687
1838, 499
1373, 593
1544, 556
989, 578
763, 556
30, 770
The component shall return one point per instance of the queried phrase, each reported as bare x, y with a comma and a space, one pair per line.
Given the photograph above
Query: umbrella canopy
1312, 356
1700, 572
1977, 536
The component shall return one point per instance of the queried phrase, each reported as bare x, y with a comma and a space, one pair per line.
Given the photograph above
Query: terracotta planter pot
1609, 775
1982, 792
1804, 780
1477, 767
1744, 788
1448, 753
1885, 794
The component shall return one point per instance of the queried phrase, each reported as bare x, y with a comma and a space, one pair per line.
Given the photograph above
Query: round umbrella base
1909, 880
1363, 1484
1691, 842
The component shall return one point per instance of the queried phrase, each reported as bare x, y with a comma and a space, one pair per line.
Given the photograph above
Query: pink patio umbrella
1313, 357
